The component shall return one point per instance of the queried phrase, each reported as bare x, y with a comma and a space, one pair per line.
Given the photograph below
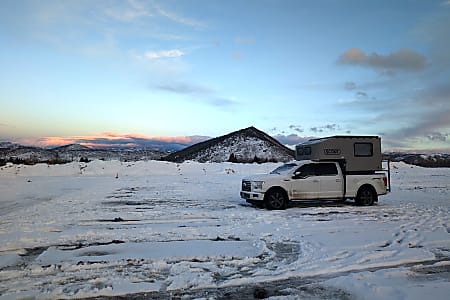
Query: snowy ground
180, 230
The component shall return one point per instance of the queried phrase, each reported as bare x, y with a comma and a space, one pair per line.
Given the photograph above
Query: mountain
19, 154
72, 147
245, 145
144, 145
422, 160
7, 145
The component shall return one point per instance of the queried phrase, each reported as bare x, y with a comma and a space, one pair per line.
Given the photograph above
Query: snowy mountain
31, 155
245, 145
22, 154
4, 145
440, 160
72, 147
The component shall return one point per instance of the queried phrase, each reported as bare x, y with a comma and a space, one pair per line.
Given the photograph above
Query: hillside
441, 160
19, 154
245, 145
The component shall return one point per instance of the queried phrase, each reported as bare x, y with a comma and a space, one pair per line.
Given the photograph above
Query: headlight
257, 185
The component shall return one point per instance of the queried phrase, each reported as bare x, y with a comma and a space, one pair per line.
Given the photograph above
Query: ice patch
151, 251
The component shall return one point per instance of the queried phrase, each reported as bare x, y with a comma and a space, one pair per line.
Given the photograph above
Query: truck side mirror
297, 175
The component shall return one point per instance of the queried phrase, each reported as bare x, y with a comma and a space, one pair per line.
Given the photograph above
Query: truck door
305, 185
331, 182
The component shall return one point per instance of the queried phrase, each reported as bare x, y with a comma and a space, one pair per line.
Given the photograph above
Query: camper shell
355, 154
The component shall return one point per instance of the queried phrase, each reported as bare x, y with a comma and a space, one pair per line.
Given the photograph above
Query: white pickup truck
308, 180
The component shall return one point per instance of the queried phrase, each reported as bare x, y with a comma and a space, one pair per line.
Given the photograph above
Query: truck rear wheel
366, 196
275, 199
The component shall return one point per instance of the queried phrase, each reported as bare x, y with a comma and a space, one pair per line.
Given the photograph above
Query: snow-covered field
180, 230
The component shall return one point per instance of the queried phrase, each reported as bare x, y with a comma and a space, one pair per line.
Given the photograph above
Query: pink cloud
108, 139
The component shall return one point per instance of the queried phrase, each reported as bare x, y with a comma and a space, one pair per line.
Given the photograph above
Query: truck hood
264, 177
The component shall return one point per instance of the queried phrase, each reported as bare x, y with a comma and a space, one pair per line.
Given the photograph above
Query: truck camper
336, 167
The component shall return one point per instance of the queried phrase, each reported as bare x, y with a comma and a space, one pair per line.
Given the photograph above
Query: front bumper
252, 196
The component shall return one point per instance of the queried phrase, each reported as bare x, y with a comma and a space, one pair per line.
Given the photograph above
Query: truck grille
246, 186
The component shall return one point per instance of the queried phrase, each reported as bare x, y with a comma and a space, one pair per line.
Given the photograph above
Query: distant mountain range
441, 160
243, 146
31, 155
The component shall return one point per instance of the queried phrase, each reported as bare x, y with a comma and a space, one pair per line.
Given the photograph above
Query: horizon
118, 72
130, 142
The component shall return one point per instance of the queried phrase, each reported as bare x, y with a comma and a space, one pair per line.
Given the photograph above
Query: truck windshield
284, 168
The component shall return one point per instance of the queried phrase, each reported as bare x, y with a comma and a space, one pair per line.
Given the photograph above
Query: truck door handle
338, 180
316, 180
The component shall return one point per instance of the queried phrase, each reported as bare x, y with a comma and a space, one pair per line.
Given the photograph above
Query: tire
366, 196
276, 199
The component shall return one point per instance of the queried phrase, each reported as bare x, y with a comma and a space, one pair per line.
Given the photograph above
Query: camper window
303, 151
363, 149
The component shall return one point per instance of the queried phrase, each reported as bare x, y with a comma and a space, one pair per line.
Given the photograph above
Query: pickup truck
312, 180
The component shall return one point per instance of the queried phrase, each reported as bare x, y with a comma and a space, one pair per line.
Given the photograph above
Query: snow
113, 228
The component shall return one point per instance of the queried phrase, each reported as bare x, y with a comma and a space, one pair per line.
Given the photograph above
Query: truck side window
326, 170
305, 171
363, 149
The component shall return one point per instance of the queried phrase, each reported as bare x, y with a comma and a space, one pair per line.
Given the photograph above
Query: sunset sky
180, 70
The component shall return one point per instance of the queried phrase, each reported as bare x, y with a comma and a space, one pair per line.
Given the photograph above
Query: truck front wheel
366, 196
275, 199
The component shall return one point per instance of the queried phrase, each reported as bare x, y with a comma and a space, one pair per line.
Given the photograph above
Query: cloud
171, 15
223, 102
295, 139
402, 60
134, 10
418, 119
87, 27
435, 114
361, 94
163, 54
325, 128
201, 93
412, 109
128, 11
184, 88
429, 125
438, 136
297, 128
112, 139
291, 139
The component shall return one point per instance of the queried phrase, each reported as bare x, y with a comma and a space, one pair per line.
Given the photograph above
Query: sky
98, 71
